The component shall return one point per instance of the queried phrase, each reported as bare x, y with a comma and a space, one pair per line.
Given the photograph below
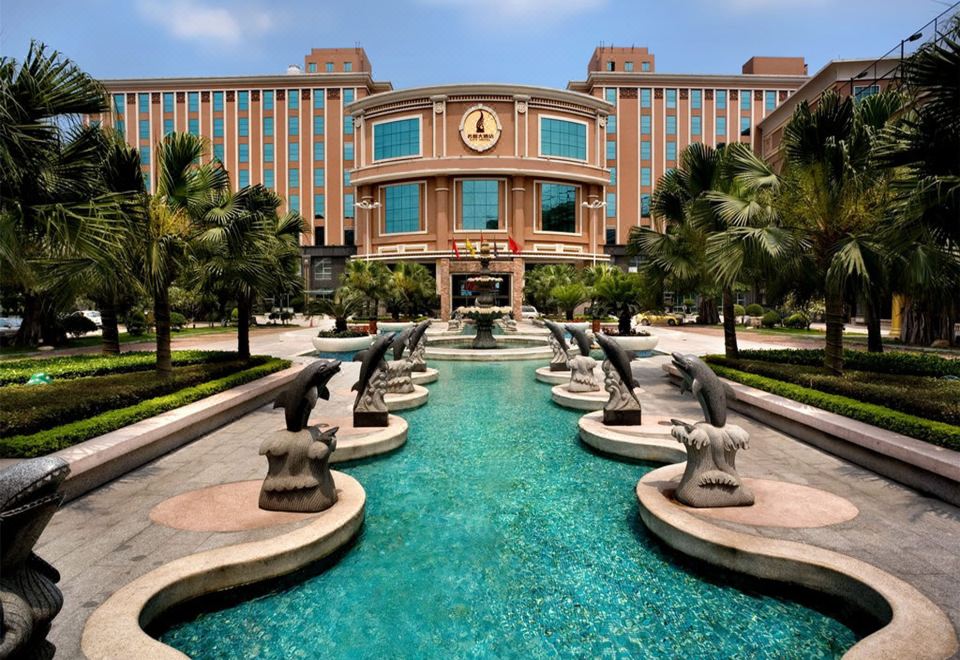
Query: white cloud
513, 9
192, 20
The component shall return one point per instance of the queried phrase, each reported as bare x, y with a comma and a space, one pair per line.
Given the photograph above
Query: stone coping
544, 375
562, 396
425, 377
116, 628
914, 626
354, 443
437, 351
651, 441
414, 399
935, 470
98, 460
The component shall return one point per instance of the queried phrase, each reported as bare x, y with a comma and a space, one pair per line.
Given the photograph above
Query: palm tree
411, 289
370, 279
541, 280
340, 306
568, 296
624, 294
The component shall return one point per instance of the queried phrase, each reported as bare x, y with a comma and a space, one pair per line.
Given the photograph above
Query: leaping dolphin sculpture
705, 385
580, 336
620, 361
557, 333
299, 398
371, 359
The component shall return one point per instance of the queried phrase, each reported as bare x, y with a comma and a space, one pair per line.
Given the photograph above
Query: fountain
484, 313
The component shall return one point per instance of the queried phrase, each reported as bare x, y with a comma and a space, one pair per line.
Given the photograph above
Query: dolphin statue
579, 336
620, 361
371, 359
705, 385
299, 398
557, 333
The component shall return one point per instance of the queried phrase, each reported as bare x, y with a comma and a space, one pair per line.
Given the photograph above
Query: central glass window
558, 207
480, 204
566, 139
402, 208
396, 139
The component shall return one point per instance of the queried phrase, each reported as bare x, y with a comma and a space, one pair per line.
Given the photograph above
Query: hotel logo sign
480, 128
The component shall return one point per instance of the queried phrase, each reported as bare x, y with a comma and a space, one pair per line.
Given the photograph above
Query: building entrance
461, 296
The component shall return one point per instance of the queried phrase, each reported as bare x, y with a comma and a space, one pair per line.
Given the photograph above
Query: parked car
529, 312
94, 316
9, 327
657, 318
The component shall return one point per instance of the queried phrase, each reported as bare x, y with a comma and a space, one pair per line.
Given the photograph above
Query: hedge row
45, 442
937, 433
896, 362
14, 372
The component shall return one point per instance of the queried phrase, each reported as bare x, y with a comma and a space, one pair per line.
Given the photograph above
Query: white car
94, 316
529, 312
9, 327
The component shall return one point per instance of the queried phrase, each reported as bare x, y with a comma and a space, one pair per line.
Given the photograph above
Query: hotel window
628, 66
144, 129
118, 103
243, 100
293, 177
611, 150
744, 125
328, 67
144, 155
402, 208
193, 101
167, 126
243, 180
671, 124
558, 208
644, 98
318, 150
671, 150
671, 98
721, 126
346, 178
611, 124
349, 210
611, 66
318, 177
312, 68
268, 178
610, 93
168, 102
770, 100
644, 176
268, 125
348, 150
347, 96
348, 125
146, 180
745, 99
143, 100
566, 139
293, 152
120, 128
645, 66
293, 99
268, 100
861, 92
645, 206
696, 99
480, 204
293, 127
645, 150
613, 176
268, 152
348, 67
218, 152
318, 204
645, 124
243, 127
218, 127
294, 202
218, 101
318, 99
396, 139
611, 205
721, 99
244, 150
318, 125
696, 125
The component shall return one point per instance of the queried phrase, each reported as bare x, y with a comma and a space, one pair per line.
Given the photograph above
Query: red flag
456, 252
512, 244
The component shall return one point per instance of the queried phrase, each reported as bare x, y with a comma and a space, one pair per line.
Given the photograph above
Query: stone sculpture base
710, 478
556, 366
622, 417
418, 397
367, 419
299, 478
562, 396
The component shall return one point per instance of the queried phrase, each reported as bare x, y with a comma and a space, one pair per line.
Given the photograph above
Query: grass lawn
914, 394
92, 395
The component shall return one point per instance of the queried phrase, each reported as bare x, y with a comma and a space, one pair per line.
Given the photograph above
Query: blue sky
421, 42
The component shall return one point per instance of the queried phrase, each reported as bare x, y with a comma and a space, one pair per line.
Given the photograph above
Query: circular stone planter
425, 377
341, 344
562, 396
544, 375
413, 399
393, 326
639, 343
650, 441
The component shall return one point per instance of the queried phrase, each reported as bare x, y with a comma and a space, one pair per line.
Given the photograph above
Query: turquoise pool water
494, 533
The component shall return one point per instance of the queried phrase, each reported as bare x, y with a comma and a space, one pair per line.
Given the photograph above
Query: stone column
363, 233
443, 229
443, 287
516, 284
518, 220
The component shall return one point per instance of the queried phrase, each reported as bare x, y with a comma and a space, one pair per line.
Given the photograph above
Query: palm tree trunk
111, 331
161, 318
833, 355
707, 312
31, 326
871, 314
569, 314
623, 323
730, 348
243, 326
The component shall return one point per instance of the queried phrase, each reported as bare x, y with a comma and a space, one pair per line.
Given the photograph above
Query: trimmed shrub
890, 362
77, 325
45, 442
797, 321
177, 321
754, 309
136, 323
738, 310
770, 319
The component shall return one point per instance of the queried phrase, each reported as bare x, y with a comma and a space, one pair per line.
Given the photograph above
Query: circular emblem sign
480, 128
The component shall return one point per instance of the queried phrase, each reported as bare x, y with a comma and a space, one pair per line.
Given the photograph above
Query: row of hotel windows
696, 125
696, 98
243, 100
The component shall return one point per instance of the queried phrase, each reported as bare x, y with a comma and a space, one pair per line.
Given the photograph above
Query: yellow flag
471, 249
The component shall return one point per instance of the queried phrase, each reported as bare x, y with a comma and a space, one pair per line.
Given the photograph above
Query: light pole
367, 206
593, 206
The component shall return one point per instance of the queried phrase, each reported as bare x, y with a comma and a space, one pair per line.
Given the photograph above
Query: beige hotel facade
414, 174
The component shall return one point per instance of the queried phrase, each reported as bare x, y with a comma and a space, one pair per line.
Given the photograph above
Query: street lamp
593, 206
367, 205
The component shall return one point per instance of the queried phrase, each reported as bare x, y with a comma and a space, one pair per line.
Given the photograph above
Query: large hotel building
561, 175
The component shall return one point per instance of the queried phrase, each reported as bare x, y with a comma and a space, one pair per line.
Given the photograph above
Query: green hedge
45, 442
937, 433
895, 362
81, 366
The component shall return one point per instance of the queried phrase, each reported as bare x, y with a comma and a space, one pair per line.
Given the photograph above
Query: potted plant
341, 339
623, 294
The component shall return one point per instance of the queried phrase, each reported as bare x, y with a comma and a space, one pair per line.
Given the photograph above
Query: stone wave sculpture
710, 478
622, 407
558, 344
399, 379
369, 408
298, 457
582, 378
29, 597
